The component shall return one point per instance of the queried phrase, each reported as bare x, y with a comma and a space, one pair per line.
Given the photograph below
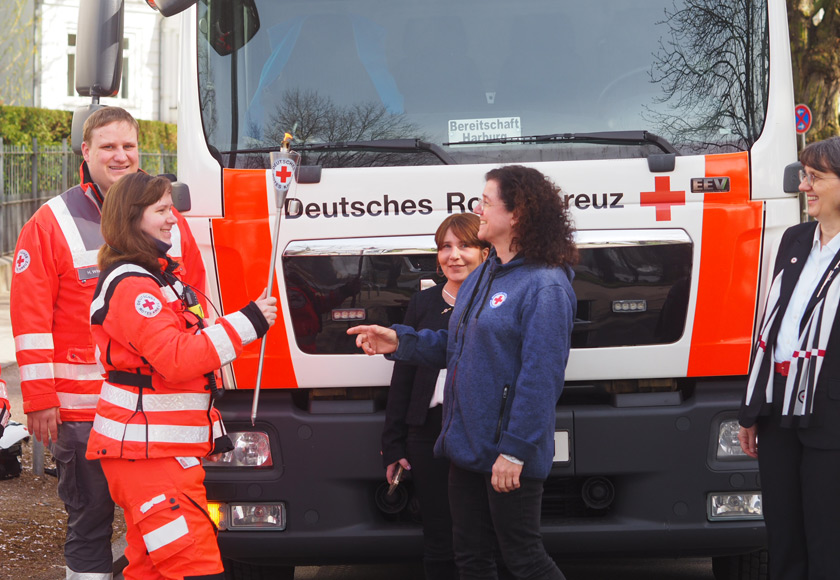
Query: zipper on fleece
501, 413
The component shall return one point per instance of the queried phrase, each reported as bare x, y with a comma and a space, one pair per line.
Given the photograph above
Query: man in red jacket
55, 275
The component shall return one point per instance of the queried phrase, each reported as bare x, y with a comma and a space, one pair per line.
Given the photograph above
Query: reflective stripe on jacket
55, 274
156, 401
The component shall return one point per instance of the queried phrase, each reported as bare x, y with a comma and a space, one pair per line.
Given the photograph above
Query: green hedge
18, 125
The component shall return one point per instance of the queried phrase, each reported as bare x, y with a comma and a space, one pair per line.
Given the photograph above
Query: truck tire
235, 570
752, 566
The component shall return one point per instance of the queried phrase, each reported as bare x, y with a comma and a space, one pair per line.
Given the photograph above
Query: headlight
248, 516
250, 449
735, 506
257, 516
728, 445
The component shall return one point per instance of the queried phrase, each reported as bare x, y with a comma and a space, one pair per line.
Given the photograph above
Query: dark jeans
90, 510
430, 478
480, 516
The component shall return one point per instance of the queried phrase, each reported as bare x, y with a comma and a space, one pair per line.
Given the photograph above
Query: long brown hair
122, 212
543, 230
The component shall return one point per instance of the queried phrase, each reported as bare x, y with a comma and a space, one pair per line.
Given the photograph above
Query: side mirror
308, 174
180, 193
170, 7
791, 180
99, 51
181, 197
229, 24
80, 115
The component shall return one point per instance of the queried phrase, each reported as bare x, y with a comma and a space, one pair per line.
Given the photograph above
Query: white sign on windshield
461, 130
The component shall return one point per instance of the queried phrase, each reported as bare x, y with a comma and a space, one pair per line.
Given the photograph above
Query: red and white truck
666, 123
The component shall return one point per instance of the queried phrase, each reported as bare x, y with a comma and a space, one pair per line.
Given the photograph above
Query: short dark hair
122, 212
823, 155
106, 116
543, 232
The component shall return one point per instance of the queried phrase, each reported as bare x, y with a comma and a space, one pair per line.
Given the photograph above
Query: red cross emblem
22, 261
497, 299
663, 198
283, 174
147, 305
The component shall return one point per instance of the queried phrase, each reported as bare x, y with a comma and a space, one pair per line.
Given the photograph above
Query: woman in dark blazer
792, 404
413, 413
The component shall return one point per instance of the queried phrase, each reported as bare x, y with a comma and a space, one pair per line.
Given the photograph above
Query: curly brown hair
122, 212
543, 232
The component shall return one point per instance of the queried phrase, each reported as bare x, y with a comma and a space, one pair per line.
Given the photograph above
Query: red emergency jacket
156, 400
54, 278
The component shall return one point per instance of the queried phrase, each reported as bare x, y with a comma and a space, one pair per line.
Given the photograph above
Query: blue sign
803, 118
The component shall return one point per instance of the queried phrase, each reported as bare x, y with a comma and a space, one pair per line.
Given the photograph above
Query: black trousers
481, 516
800, 492
430, 476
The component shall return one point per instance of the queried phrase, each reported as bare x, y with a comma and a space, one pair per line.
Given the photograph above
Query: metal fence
31, 175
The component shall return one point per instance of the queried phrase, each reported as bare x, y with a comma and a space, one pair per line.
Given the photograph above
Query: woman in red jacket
155, 417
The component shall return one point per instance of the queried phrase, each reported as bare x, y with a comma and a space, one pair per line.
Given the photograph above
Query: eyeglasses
811, 178
483, 204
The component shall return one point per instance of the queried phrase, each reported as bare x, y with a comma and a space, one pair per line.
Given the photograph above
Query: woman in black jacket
413, 414
790, 417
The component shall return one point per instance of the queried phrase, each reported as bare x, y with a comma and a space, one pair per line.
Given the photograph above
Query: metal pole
34, 168
271, 269
283, 162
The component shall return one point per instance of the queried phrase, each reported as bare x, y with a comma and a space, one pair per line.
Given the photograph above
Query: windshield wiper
390, 145
603, 137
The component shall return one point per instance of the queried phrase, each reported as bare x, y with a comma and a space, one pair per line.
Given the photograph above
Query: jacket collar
89, 187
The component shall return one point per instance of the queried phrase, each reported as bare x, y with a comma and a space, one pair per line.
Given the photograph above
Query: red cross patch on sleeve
147, 305
21, 261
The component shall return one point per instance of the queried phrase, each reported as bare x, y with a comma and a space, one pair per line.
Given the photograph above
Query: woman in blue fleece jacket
505, 352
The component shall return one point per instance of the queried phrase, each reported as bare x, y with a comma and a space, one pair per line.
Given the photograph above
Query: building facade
149, 86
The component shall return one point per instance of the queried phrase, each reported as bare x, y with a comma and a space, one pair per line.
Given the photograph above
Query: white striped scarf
807, 361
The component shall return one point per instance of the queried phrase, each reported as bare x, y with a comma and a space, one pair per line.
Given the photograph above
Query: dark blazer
823, 430
412, 386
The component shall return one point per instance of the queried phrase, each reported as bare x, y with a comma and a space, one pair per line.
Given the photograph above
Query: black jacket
823, 430
412, 386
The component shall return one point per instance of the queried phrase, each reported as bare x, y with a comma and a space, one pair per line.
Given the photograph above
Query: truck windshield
476, 77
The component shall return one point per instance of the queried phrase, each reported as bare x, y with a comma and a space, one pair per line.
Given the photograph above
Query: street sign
803, 119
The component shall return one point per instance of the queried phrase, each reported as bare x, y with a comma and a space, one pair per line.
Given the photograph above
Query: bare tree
17, 51
814, 32
712, 69
317, 119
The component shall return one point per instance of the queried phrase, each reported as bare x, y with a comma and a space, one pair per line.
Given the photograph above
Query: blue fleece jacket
506, 350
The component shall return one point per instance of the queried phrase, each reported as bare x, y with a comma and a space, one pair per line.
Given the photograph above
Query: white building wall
151, 91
